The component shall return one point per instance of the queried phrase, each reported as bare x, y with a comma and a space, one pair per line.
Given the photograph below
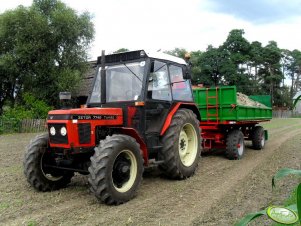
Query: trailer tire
258, 139
116, 169
180, 154
38, 175
235, 146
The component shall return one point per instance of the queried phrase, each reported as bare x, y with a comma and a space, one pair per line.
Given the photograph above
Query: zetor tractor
140, 113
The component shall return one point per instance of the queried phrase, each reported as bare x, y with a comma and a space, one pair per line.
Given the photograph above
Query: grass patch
3, 206
280, 122
32, 223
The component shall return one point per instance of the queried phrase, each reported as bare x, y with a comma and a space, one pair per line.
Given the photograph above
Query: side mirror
65, 96
186, 73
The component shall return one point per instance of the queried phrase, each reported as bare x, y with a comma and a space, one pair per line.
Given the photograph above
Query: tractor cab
146, 86
136, 76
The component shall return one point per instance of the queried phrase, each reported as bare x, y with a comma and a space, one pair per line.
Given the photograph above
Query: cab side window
159, 85
181, 89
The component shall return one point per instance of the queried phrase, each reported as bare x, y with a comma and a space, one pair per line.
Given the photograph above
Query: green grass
280, 122
3, 206
32, 223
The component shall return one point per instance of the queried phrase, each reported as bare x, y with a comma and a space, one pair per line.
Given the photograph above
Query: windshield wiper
132, 72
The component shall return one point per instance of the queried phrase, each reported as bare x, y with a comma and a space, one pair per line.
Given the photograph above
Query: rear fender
190, 106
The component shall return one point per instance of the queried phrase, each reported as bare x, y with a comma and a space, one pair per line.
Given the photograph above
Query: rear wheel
235, 145
258, 139
116, 169
36, 161
181, 145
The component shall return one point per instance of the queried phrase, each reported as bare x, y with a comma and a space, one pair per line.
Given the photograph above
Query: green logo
282, 215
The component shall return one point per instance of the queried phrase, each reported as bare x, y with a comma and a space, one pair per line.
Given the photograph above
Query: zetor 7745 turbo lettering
140, 113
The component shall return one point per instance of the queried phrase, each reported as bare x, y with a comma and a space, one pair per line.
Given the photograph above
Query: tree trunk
292, 86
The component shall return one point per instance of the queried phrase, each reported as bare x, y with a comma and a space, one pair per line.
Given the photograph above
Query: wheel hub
183, 144
49, 173
121, 172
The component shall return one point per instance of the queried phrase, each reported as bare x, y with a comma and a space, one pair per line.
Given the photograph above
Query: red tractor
140, 113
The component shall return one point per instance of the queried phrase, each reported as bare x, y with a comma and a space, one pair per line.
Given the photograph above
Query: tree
178, 52
121, 50
271, 73
43, 50
236, 69
196, 70
291, 64
237, 46
212, 64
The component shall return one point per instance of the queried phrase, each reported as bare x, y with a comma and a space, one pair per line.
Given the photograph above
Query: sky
189, 24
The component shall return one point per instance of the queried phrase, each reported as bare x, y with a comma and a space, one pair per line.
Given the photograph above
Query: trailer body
221, 114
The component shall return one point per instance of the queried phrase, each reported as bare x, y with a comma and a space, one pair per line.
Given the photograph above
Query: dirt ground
221, 192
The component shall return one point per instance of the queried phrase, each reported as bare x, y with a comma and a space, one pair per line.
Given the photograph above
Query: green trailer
226, 122
220, 104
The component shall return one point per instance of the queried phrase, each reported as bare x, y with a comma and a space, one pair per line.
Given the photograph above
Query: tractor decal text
94, 117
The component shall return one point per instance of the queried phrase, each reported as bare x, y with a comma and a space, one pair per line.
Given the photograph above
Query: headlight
52, 131
63, 131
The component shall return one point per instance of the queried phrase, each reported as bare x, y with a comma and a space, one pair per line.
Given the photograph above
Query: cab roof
164, 56
138, 54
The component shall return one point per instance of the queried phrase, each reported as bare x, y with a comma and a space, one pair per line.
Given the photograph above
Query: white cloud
11, 4
158, 24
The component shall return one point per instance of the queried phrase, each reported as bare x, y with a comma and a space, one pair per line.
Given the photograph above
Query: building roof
87, 80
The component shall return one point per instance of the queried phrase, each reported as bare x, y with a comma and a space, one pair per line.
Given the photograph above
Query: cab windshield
123, 82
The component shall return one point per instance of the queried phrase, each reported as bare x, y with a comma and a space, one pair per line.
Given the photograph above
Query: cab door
158, 98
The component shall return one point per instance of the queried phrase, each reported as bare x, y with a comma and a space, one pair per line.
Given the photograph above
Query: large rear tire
235, 145
258, 138
116, 169
38, 175
181, 145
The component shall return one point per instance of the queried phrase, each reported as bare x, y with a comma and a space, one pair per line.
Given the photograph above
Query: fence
286, 114
23, 126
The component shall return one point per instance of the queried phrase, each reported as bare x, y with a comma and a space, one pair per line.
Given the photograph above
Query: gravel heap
244, 100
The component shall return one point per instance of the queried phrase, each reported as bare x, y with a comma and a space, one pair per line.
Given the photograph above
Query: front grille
84, 133
57, 138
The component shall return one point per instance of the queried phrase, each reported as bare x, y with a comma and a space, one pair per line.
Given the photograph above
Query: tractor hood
75, 128
79, 114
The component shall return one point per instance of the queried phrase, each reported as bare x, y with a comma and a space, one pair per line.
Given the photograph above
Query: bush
32, 108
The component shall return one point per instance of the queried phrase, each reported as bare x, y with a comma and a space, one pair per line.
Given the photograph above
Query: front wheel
116, 169
36, 167
181, 145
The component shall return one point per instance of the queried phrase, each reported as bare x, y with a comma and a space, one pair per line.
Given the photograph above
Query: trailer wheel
38, 175
116, 169
181, 145
258, 139
235, 146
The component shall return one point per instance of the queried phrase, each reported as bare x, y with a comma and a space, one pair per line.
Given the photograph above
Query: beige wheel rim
240, 147
127, 170
188, 145
262, 141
